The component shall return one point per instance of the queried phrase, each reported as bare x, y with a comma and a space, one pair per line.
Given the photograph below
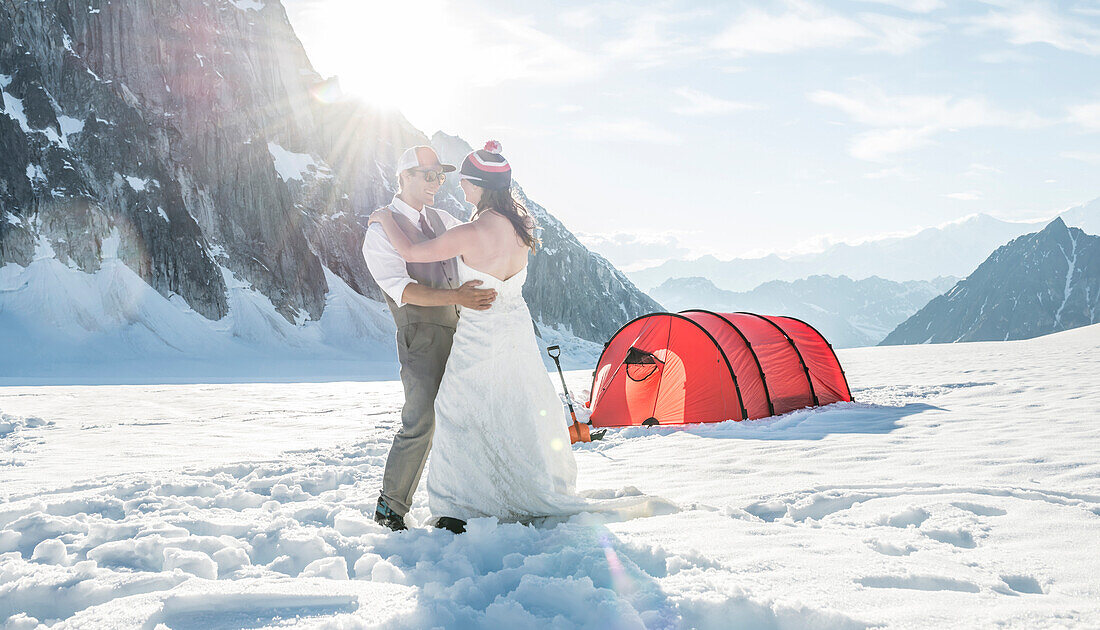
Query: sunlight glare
393, 54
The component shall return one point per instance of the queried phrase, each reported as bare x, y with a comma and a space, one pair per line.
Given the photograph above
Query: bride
501, 445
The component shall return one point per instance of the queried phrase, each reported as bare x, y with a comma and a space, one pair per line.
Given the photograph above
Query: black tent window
640, 364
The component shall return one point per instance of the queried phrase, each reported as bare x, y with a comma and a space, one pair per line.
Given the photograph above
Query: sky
674, 129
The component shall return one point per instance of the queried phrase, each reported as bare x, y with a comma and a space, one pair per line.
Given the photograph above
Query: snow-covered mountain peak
1036, 284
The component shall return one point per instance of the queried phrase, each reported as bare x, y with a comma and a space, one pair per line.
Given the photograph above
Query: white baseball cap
421, 157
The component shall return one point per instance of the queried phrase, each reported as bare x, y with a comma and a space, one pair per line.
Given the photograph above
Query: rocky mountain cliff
1036, 284
195, 142
850, 313
954, 249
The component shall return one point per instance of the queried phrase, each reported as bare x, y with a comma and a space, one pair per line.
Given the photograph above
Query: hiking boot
386, 517
451, 524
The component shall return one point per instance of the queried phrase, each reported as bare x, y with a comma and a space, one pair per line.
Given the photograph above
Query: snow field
959, 491
58, 324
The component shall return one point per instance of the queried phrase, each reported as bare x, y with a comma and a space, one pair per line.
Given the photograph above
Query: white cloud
1004, 56
632, 251
526, 132
970, 195
702, 104
1088, 116
898, 36
905, 123
625, 130
889, 172
649, 38
877, 109
879, 144
913, 6
1081, 156
521, 51
977, 169
1037, 23
804, 26
580, 18
1093, 11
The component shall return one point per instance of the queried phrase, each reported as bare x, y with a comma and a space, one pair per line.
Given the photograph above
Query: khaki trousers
422, 349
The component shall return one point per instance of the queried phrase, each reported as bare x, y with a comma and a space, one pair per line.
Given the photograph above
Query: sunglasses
431, 176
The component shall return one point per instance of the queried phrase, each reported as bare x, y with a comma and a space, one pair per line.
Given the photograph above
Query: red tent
699, 366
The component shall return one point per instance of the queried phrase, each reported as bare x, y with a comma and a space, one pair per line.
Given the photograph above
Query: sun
397, 55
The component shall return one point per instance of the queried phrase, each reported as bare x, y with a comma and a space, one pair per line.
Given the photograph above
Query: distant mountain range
848, 312
1037, 284
955, 249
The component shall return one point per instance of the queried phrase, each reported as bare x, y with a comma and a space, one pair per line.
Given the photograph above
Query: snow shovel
578, 432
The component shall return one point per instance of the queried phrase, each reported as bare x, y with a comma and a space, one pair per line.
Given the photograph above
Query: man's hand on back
468, 296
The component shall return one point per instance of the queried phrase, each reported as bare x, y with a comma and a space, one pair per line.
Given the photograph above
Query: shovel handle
578, 432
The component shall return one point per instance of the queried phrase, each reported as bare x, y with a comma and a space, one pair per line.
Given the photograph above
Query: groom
424, 300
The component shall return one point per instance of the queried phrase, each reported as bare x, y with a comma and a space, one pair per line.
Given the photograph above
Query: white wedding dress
501, 445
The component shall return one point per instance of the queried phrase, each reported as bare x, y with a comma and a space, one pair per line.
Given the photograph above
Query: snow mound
296, 166
248, 5
576, 353
9, 424
253, 603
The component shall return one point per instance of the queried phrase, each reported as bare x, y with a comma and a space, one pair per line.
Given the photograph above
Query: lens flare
327, 91
621, 582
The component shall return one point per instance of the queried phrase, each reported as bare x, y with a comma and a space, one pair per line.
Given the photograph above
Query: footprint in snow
1023, 584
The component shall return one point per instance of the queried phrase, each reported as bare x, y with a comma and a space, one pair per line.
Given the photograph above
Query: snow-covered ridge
248, 5
56, 321
296, 166
1035, 285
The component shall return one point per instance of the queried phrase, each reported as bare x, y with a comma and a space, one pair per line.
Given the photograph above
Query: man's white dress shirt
383, 261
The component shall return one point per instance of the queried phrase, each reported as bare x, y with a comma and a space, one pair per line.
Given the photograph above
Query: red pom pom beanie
487, 168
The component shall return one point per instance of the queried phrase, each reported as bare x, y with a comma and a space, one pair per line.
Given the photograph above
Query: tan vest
437, 275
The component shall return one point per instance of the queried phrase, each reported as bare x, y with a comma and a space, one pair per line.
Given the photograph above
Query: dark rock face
567, 284
198, 138
1035, 285
850, 313
66, 161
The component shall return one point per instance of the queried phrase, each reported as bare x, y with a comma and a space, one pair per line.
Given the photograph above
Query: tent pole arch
831, 349
592, 388
759, 368
718, 346
805, 369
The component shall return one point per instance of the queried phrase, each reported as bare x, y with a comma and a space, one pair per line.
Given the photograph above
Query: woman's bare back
499, 251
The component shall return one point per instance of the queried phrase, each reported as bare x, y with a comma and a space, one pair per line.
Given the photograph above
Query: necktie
424, 227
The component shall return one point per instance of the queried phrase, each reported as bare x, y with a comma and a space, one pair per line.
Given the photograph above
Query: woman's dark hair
503, 203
